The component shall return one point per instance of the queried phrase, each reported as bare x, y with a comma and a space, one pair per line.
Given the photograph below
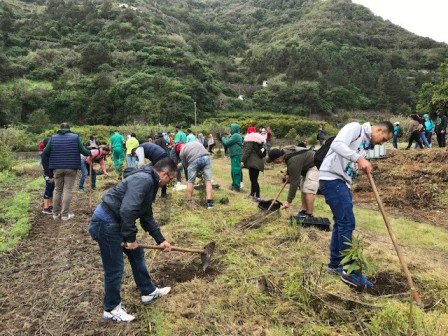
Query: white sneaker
147, 299
70, 216
118, 314
56, 217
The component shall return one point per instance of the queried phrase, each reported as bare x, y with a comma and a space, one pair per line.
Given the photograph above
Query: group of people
421, 129
113, 224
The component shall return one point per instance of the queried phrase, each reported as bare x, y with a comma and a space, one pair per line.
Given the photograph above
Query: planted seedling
354, 258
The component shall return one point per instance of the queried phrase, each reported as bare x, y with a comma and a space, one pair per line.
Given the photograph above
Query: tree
38, 121
93, 55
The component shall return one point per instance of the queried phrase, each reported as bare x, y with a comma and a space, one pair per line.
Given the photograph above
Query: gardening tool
90, 191
206, 252
269, 213
395, 243
277, 196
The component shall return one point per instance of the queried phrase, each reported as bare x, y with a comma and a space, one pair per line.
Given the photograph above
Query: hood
146, 169
64, 130
254, 137
234, 128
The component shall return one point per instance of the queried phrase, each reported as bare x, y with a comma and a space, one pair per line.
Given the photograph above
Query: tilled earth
411, 183
52, 283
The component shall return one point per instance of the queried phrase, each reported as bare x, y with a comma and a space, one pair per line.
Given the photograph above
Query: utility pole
195, 119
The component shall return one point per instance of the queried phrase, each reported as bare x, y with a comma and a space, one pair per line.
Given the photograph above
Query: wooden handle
90, 192
173, 248
278, 195
395, 242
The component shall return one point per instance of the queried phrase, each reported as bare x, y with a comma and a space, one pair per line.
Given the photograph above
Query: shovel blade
207, 254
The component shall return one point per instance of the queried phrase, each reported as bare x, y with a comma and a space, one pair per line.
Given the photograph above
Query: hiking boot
118, 314
335, 271
47, 211
69, 216
150, 298
356, 279
209, 205
81, 190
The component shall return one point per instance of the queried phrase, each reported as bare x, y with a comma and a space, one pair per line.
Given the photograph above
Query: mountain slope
149, 61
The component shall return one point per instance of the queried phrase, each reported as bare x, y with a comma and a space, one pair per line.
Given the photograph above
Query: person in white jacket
344, 159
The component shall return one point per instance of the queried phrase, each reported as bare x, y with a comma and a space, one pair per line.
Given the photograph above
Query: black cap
274, 154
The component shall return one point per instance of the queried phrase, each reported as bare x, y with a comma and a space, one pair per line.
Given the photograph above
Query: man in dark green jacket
301, 172
234, 144
440, 129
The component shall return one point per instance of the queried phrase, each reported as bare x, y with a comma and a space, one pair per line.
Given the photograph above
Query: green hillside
148, 61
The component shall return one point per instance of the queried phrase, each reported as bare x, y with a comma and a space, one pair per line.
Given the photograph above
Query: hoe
206, 252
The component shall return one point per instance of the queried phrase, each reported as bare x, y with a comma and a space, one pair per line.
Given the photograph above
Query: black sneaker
209, 205
47, 211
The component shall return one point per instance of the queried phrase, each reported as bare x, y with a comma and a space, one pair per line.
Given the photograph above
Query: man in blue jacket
63, 150
113, 227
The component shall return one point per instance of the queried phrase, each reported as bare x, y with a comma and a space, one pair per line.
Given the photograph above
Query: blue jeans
85, 167
394, 141
339, 198
132, 160
107, 233
202, 163
424, 140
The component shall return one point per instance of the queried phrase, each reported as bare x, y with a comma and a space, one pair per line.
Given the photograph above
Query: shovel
395, 243
206, 252
269, 213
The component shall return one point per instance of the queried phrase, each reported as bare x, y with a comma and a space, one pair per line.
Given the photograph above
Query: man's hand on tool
130, 246
365, 165
166, 245
286, 205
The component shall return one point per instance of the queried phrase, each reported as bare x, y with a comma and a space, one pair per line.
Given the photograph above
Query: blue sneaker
356, 279
335, 271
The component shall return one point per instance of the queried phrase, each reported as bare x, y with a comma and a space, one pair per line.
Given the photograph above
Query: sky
423, 17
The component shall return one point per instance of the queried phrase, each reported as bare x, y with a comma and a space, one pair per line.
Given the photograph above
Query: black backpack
321, 153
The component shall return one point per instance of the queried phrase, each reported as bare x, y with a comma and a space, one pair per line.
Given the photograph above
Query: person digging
302, 172
196, 159
113, 227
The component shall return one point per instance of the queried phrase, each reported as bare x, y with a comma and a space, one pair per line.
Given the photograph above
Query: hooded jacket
131, 199
253, 143
235, 142
298, 161
352, 142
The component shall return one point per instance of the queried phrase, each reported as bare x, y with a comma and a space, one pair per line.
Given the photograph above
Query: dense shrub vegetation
95, 62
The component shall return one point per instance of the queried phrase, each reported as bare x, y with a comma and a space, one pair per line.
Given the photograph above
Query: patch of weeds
393, 320
36, 184
15, 211
153, 322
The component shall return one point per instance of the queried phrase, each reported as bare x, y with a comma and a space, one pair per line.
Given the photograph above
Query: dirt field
52, 282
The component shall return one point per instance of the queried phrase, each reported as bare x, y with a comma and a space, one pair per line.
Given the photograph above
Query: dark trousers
441, 138
415, 136
254, 186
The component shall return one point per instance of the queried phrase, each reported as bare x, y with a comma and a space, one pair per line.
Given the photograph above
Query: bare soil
411, 183
52, 282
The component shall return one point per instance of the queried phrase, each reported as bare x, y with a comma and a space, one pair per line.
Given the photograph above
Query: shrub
6, 159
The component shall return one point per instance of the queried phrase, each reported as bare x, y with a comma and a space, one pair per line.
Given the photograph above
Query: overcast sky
422, 17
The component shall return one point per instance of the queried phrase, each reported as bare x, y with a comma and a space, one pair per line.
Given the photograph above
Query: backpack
321, 153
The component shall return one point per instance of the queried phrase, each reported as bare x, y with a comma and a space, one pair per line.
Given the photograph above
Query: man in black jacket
113, 227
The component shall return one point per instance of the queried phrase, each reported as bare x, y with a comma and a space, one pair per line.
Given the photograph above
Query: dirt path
52, 281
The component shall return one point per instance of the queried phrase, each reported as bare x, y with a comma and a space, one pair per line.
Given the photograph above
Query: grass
15, 205
272, 279
15, 213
